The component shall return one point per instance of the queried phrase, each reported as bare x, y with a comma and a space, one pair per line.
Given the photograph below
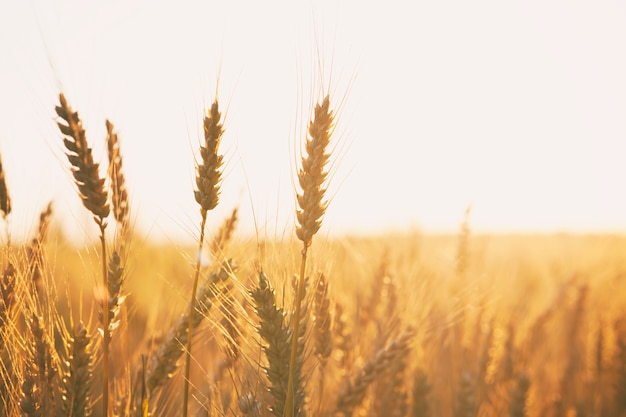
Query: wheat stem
192, 309
208, 180
312, 179
105, 325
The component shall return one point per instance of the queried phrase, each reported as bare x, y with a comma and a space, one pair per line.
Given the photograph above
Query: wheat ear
5, 199
276, 336
312, 205
7, 298
5, 204
95, 198
224, 234
35, 250
208, 180
37, 388
519, 396
352, 393
115, 295
84, 169
76, 381
119, 193
420, 395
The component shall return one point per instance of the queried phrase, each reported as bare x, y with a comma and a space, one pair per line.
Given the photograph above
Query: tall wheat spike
312, 205
95, 198
84, 169
208, 181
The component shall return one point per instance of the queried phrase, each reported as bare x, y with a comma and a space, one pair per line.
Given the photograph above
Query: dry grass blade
5, 199
84, 169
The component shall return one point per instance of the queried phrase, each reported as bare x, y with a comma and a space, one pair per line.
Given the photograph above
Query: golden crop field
389, 325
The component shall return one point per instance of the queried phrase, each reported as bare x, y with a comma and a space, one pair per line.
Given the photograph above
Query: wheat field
389, 325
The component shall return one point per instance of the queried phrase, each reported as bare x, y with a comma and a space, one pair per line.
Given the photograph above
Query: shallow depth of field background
516, 108
476, 204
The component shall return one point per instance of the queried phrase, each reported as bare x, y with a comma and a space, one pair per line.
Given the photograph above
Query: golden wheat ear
119, 193
76, 382
209, 171
275, 336
208, 181
85, 170
5, 199
352, 392
311, 207
312, 174
95, 199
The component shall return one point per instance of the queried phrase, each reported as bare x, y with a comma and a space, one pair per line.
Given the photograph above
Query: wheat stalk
166, 360
312, 205
95, 199
208, 181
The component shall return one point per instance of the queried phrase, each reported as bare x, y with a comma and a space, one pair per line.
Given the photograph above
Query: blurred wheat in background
407, 325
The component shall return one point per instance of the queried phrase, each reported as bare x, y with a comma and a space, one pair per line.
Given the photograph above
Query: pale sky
517, 107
